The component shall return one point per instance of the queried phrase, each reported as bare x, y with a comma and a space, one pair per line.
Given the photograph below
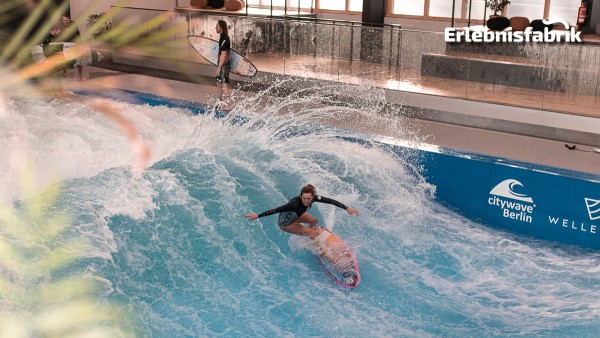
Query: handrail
284, 18
303, 18
144, 9
335, 21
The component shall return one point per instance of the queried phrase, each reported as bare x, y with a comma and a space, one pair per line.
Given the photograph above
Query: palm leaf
36, 298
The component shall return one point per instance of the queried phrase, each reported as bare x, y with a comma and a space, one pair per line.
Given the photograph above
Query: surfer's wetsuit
295, 208
224, 46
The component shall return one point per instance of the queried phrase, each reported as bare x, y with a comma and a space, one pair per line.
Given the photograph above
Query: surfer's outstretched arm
327, 200
286, 207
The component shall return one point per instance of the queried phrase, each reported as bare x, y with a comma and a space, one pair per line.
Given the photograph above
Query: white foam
68, 139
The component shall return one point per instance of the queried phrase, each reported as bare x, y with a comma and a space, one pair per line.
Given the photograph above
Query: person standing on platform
224, 65
71, 31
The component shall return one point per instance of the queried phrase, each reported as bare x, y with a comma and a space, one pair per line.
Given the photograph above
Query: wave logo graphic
555, 21
593, 208
506, 189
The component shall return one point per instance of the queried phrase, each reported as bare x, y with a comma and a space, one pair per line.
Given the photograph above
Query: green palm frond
148, 37
37, 23
37, 298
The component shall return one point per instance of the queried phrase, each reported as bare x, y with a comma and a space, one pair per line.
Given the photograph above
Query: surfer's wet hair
309, 189
223, 26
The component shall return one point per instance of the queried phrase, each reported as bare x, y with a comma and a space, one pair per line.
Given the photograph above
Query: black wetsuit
295, 208
224, 46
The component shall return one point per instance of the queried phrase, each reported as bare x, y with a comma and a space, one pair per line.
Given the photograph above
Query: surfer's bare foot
315, 231
222, 103
222, 106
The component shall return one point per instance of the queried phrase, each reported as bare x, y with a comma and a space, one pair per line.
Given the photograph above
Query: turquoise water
171, 243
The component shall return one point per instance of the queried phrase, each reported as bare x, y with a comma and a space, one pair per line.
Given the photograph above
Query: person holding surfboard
293, 214
224, 65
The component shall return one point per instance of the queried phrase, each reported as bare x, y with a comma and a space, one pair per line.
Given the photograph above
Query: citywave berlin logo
514, 205
451, 34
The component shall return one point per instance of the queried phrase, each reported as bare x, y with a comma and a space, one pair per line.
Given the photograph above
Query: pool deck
498, 144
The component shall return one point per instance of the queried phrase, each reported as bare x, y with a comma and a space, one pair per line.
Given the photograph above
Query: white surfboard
209, 49
87, 58
337, 259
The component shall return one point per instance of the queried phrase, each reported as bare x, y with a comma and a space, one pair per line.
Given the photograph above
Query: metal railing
339, 39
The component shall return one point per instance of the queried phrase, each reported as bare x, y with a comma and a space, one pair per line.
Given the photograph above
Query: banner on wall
546, 203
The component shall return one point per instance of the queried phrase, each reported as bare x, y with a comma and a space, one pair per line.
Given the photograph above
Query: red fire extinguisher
582, 14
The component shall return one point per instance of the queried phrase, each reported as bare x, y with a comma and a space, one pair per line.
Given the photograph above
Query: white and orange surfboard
337, 259
209, 49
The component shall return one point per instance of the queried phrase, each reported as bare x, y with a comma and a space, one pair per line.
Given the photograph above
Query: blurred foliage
39, 295
29, 71
93, 18
42, 291
27, 23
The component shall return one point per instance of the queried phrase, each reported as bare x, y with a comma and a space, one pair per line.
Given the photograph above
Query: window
356, 6
443, 8
303, 3
281, 3
338, 5
531, 9
335, 5
477, 10
413, 7
565, 9
341, 5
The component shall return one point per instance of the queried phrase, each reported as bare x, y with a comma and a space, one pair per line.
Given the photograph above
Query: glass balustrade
548, 76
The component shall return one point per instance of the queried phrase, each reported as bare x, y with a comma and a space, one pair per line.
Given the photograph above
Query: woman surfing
293, 214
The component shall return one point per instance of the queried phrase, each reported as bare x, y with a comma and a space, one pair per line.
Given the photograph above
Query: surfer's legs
224, 91
307, 218
80, 72
223, 81
297, 228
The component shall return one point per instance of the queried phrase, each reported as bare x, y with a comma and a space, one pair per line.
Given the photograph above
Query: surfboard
337, 259
87, 58
209, 49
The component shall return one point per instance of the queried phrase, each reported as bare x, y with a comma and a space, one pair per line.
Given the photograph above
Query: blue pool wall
547, 203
